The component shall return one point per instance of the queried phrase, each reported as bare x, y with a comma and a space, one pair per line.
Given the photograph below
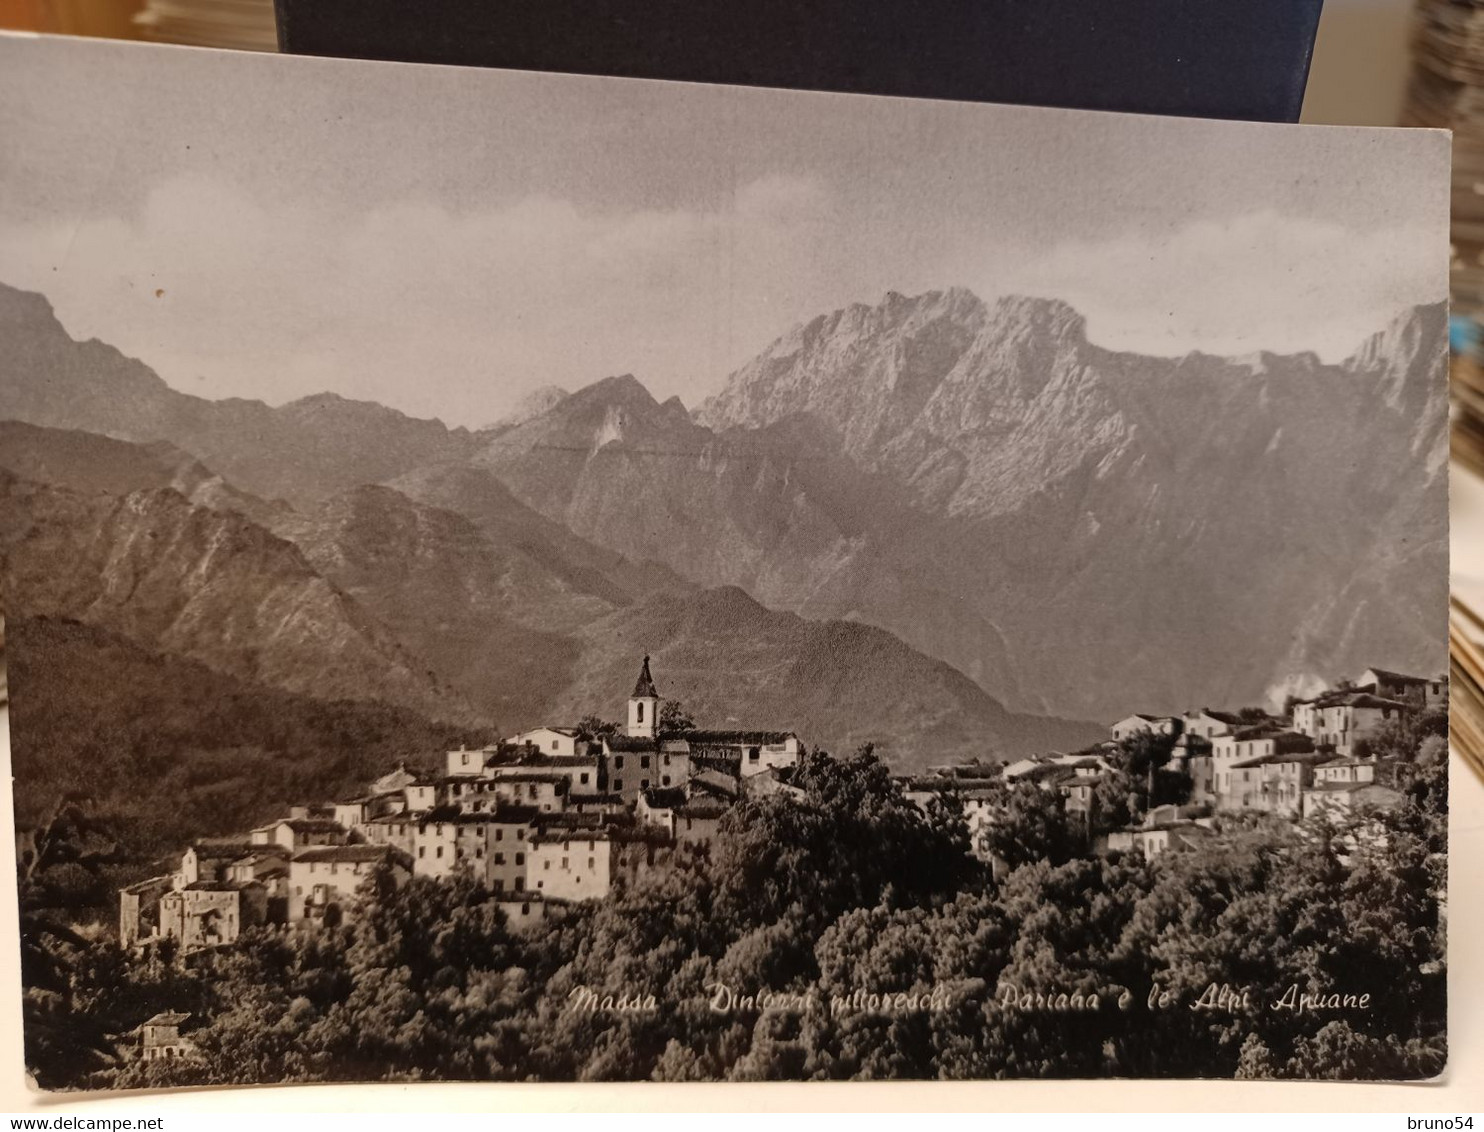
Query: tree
1027, 824
1140, 780
854, 889
674, 717
591, 728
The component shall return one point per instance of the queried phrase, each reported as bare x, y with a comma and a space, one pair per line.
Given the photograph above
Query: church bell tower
644, 706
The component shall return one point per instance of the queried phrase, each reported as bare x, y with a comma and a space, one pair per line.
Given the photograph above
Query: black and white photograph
520, 577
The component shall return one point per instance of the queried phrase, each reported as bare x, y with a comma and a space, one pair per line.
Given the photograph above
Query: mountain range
501, 622
943, 524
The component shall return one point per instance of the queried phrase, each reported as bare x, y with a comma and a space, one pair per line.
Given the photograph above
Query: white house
563, 741
1208, 724
1340, 719
1258, 742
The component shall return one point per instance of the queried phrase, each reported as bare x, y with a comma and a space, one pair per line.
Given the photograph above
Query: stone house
206, 860
1415, 691
324, 880
139, 909
160, 1038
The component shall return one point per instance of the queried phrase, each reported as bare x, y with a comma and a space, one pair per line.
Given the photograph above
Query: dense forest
850, 936
158, 750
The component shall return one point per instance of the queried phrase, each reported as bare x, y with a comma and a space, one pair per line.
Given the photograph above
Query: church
646, 756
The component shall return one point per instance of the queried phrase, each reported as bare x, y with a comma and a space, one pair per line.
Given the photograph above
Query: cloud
433, 311
459, 313
1259, 281
780, 196
1299, 685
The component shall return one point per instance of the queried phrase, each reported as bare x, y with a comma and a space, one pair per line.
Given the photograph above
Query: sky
445, 240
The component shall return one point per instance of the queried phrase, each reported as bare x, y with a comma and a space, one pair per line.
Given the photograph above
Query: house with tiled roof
266, 863
545, 789
394, 780
773, 781
1341, 718
1255, 742
208, 859
562, 740
1207, 724
714, 784
300, 833
583, 771
1269, 783
1417, 691
353, 812
160, 1037
631, 765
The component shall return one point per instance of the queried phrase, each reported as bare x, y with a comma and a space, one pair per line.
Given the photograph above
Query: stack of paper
1447, 91
242, 25
1466, 662
1466, 386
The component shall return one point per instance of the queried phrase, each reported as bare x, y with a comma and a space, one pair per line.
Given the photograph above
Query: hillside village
561, 814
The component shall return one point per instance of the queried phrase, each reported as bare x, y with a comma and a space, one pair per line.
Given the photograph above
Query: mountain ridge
372, 594
1073, 528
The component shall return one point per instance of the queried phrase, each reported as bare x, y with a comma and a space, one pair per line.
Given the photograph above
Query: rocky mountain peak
894, 314
538, 401
624, 385
1406, 357
611, 409
331, 410
1025, 317
864, 371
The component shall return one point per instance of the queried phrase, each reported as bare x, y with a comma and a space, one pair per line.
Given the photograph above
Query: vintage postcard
519, 577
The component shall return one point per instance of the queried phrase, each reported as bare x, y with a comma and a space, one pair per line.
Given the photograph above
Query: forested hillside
847, 937
159, 750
